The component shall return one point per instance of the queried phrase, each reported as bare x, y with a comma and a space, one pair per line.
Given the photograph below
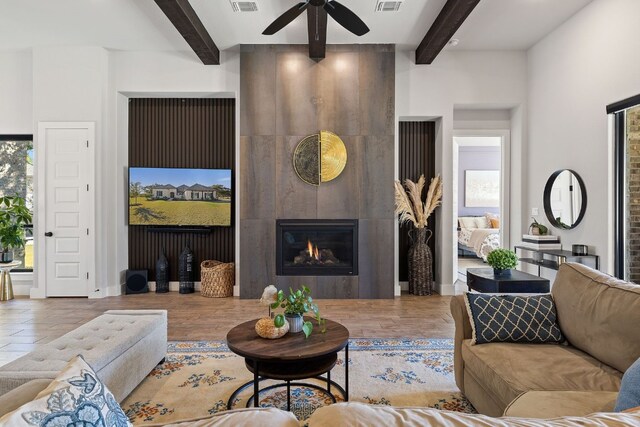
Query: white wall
588, 62
70, 84
464, 80
156, 74
16, 115
92, 84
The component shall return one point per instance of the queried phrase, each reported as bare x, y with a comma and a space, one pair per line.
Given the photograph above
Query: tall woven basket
216, 279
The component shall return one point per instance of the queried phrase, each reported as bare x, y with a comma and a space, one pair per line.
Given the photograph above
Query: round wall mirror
565, 199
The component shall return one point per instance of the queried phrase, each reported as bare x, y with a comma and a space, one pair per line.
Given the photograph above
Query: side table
483, 280
6, 287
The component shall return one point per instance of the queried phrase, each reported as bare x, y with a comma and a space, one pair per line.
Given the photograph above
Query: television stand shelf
193, 230
556, 257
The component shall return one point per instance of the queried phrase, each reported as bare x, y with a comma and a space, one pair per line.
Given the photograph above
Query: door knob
48, 234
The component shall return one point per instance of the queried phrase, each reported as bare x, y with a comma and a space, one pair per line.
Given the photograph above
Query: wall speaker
137, 282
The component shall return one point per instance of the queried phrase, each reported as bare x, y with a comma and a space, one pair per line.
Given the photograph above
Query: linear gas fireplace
318, 247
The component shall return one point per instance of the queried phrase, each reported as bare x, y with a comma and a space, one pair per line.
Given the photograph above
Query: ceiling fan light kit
315, 9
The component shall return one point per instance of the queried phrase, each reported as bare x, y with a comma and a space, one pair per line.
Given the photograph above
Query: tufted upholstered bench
122, 346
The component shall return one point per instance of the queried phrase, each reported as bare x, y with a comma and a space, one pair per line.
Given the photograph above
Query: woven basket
216, 279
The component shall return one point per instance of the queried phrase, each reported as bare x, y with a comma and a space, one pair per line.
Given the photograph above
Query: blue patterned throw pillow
75, 398
513, 318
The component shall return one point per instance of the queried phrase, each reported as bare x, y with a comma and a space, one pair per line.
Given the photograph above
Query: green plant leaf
307, 328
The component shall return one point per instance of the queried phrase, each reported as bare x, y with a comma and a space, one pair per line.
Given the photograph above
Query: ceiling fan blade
286, 18
345, 17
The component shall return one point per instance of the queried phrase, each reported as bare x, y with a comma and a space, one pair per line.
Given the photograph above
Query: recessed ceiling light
244, 6
388, 6
453, 42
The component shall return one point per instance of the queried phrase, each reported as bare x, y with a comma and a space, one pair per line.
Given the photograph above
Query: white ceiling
140, 25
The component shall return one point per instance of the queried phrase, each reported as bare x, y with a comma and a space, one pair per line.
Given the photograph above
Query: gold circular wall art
320, 157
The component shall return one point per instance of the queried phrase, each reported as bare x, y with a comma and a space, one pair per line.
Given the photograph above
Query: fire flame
313, 250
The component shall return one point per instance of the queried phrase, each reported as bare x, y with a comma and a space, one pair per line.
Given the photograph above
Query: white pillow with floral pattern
75, 398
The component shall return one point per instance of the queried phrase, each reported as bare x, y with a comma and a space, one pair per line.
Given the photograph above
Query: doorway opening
480, 189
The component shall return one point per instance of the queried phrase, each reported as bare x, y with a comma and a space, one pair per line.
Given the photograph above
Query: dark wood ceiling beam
450, 18
188, 24
317, 25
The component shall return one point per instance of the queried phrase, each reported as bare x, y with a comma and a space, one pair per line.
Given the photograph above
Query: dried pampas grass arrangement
409, 205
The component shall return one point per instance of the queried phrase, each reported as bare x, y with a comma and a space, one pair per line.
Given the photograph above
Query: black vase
162, 273
420, 263
502, 272
185, 272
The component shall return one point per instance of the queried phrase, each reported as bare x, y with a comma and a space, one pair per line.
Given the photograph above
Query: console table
555, 258
518, 282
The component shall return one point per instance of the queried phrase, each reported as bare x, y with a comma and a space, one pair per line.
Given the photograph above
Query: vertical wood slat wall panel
416, 157
181, 133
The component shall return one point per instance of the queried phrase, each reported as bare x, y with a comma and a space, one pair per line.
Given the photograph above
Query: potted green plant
502, 261
295, 305
537, 228
14, 216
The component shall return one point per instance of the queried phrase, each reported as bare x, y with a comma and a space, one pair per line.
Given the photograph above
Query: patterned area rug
198, 378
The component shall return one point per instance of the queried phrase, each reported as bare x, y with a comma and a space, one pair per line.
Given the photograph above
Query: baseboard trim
20, 289
37, 293
446, 289
461, 287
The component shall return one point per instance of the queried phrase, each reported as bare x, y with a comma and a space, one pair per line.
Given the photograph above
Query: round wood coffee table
292, 357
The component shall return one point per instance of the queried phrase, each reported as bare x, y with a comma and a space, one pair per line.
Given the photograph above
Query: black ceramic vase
420, 262
502, 272
162, 273
185, 272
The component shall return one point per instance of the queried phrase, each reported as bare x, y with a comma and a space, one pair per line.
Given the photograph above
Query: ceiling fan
316, 18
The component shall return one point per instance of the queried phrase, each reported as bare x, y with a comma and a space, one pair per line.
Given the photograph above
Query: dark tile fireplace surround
351, 93
316, 247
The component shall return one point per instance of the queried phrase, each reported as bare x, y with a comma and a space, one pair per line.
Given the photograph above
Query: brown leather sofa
600, 318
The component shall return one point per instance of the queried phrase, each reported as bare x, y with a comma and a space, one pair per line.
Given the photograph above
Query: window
16, 178
626, 115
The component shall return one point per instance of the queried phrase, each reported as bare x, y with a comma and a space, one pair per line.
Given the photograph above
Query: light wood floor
26, 323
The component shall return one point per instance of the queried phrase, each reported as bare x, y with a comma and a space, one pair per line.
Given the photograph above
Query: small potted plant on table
537, 229
296, 305
502, 261
14, 216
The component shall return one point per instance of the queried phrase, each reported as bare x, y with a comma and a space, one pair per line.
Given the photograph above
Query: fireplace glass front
316, 247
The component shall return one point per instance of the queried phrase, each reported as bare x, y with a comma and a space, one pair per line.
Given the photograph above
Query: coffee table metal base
288, 384
255, 365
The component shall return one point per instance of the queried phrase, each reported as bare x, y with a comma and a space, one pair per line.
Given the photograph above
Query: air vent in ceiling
388, 6
244, 6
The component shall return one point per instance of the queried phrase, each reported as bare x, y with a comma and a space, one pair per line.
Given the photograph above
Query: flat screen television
175, 197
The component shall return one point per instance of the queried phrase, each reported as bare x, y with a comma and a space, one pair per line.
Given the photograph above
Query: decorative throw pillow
467, 222
495, 223
629, 395
482, 222
512, 318
75, 398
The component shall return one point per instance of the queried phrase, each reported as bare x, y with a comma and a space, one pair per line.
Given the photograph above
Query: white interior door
67, 166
